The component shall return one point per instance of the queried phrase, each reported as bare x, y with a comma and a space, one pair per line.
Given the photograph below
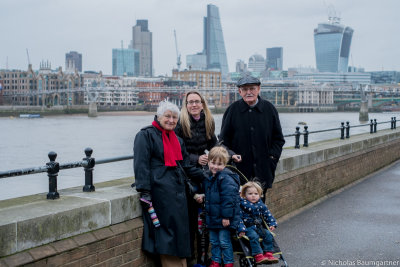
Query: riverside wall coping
31, 221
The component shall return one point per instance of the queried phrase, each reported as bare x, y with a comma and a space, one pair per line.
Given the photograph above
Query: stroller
241, 245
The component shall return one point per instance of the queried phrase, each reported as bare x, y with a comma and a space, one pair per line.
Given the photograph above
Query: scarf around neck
172, 148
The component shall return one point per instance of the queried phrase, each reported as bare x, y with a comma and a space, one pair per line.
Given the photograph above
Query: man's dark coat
167, 188
255, 134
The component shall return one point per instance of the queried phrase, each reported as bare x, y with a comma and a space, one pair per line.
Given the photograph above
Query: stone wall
293, 189
116, 245
103, 228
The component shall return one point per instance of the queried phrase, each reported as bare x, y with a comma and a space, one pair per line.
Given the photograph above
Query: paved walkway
357, 227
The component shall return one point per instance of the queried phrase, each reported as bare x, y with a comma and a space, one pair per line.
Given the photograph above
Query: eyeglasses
193, 102
246, 89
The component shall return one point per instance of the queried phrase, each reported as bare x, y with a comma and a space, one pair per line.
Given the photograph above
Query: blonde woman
196, 127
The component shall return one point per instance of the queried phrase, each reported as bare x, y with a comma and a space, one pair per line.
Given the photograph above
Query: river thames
26, 142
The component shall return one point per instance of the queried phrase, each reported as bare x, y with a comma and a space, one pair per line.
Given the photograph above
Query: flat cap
247, 79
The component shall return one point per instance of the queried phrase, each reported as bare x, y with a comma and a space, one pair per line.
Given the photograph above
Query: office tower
196, 62
214, 46
274, 58
142, 40
241, 66
256, 63
73, 60
125, 61
332, 46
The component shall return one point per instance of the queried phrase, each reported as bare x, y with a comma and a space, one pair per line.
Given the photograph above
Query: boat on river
29, 116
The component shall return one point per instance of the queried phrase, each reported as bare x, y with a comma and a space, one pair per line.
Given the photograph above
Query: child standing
253, 210
222, 206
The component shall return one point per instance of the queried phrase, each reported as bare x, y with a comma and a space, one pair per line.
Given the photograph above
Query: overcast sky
50, 28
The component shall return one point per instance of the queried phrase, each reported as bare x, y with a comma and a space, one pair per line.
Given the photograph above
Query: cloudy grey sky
50, 28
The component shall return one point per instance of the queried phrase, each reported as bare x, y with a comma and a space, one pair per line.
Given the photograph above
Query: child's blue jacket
250, 212
222, 199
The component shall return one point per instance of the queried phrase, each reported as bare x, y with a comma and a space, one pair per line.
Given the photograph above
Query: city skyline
249, 27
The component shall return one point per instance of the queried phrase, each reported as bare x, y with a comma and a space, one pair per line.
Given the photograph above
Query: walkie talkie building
332, 46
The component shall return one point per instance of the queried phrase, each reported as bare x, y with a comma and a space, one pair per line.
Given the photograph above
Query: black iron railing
53, 168
344, 130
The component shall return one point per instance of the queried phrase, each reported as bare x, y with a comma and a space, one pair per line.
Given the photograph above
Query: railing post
53, 168
297, 135
347, 129
305, 136
394, 121
375, 124
342, 131
88, 167
391, 123
371, 127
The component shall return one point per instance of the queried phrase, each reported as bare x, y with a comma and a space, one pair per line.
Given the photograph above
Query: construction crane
27, 54
178, 56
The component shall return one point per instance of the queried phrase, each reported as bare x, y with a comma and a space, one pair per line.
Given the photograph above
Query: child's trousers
254, 233
220, 240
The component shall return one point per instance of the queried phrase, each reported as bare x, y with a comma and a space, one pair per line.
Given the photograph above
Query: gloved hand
145, 200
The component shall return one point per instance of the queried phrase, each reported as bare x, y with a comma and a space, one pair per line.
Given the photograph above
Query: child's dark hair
218, 153
250, 184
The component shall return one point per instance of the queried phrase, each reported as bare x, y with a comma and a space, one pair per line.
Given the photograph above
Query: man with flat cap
251, 130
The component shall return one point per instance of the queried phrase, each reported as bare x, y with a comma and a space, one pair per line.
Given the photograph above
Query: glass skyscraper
274, 58
214, 45
332, 46
125, 61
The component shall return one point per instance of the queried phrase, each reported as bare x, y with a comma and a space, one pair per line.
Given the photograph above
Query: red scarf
172, 148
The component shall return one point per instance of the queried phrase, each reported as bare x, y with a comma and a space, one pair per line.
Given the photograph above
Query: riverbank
15, 111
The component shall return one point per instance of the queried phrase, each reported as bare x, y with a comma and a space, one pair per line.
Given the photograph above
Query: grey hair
164, 106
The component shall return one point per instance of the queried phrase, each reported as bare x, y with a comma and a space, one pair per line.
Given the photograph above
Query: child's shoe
270, 257
228, 265
260, 258
214, 264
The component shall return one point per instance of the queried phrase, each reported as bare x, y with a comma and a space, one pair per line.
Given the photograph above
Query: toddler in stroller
257, 245
253, 211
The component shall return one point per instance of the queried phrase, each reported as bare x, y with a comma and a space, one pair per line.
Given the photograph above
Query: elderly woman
158, 157
196, 126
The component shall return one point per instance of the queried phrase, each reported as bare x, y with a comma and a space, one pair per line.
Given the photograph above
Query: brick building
43, 87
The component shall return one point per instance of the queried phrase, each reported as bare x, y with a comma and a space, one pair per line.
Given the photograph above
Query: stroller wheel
247, 262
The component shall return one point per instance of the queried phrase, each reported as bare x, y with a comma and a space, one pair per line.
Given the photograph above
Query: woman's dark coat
222, 199
255, 133
198, 143
167, 188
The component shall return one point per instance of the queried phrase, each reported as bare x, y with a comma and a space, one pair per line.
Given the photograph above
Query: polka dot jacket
252, 213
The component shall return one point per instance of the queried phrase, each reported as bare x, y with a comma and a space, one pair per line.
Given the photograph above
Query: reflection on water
26, 143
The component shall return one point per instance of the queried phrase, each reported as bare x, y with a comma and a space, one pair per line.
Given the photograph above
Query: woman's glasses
193, 102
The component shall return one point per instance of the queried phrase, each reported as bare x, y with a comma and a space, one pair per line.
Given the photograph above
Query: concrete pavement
359, 226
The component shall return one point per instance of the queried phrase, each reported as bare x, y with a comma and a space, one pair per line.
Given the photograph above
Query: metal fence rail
344, 130
52, 167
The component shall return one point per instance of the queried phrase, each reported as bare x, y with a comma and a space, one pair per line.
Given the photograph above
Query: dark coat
255, 134
167, 188
222, 199
198, 143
